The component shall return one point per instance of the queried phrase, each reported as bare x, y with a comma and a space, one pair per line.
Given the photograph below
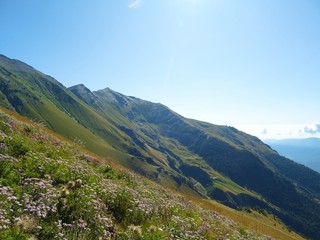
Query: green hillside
52, 189
193, 157
220, 149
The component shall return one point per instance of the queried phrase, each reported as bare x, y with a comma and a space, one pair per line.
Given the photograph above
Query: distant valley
304, 151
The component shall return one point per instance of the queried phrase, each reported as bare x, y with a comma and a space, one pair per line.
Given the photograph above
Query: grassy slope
119, 204
147, 138
257, 221
243, 158
46, 100
159, 167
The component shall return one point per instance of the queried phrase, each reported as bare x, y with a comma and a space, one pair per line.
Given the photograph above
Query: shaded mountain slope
243, 158
213, 161
303, 151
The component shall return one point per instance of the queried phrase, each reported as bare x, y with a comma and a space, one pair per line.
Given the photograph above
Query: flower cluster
6, 199
40, 197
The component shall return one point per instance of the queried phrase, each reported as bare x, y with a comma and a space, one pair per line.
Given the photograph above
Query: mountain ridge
191, 156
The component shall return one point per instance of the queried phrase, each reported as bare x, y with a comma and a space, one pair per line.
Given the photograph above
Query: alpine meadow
159, 120
199, 160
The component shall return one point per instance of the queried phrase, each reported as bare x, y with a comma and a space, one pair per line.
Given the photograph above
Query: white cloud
281, 131
313, 129
135, 4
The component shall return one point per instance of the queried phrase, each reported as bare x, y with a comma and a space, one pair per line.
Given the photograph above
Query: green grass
229, 186
251, 219
51, 188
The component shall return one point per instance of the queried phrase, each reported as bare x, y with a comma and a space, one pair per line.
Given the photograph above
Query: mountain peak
82, 92
81, 87
108, 90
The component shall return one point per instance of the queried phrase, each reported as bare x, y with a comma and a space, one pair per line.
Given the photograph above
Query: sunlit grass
50, 188
253, 220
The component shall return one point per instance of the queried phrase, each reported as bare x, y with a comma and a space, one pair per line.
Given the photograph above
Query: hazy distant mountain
217, 162
304, 151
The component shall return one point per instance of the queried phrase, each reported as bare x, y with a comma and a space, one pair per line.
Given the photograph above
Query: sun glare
192, 3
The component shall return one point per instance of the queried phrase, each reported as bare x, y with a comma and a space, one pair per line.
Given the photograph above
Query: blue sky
251, 64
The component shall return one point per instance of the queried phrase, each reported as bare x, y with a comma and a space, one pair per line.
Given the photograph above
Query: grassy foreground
51, 189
